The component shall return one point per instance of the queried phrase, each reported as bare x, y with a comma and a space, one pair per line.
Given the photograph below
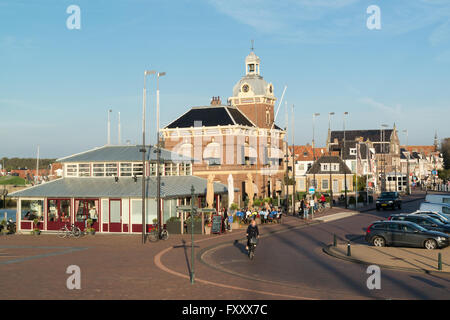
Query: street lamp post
313, 146
109, 127
329, 153
192, 234
287, 178
143, 150
408, 188
158, 155
293, 164
383, 149
345, 171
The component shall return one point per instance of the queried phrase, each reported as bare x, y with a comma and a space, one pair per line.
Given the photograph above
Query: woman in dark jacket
252, 232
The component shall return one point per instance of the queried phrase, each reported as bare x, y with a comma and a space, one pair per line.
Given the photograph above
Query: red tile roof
305, 153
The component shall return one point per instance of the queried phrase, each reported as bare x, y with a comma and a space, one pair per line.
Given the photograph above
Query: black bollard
334, 240
349, 252
439, 261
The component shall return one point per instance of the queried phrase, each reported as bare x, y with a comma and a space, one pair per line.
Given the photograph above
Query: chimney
215, 101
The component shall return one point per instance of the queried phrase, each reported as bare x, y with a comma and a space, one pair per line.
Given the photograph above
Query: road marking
44, 255
160, 265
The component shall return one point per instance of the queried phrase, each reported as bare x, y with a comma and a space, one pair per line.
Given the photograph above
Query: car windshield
388, 195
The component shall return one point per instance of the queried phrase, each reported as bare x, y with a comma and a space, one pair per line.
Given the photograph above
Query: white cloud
330, 20
395, 110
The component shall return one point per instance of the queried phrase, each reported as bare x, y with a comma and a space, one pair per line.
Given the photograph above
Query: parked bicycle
73, 231
155, 235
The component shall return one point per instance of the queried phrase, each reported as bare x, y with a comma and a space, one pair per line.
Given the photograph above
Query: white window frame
137, 169
84, 169
125, 169
71, 170
111, 169
322, 184
98, 170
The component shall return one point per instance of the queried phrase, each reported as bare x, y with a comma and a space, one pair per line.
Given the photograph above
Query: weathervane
253, 42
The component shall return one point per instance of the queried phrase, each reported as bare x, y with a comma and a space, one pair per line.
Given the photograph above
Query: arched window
212, 154
183, 151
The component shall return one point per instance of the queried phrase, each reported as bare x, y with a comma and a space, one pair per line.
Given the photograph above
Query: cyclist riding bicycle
252, 232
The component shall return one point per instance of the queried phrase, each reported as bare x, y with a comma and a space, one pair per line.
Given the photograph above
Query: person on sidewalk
230, 222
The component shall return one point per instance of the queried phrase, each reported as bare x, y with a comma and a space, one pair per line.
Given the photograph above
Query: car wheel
430, 244
378, 242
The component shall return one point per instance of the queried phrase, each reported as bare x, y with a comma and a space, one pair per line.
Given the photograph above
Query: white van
436, 207
438, 198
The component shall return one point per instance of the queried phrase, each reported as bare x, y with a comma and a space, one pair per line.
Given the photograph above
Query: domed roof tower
253, 95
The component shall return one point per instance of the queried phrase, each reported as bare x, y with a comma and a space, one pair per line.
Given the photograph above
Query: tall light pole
345, 171
383, 149
109, 127
143, 150
119, 134
293, 165
313, 146
408, 188
329, 153
158, 154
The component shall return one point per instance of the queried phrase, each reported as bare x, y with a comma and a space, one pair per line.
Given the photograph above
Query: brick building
238, 139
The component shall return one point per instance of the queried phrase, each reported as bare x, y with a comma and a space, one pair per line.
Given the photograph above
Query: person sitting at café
262, 215
240, 214
273, 214
248, 215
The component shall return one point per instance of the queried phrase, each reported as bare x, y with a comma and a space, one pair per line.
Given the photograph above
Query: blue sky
56, 84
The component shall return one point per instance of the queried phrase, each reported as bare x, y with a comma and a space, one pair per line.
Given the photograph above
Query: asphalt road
294, 258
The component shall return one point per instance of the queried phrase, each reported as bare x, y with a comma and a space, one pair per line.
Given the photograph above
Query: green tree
445, 150
361, 182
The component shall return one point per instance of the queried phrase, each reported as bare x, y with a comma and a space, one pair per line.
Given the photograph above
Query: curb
327, 249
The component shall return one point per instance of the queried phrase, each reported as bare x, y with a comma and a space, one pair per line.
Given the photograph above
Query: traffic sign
312, 190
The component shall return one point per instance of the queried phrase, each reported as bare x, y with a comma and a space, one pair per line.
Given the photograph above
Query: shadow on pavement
356, 238
429, 282
240, 246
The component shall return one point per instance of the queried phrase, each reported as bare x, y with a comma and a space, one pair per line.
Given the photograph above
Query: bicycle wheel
62, 233
165, 235
153, 236
251, 254
76, 232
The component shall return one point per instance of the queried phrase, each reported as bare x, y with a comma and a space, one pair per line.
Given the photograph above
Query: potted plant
89, 230
235, 224
173, 225
4, 227
36, 230
208, 227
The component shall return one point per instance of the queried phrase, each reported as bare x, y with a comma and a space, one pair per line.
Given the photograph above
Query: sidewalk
407, 259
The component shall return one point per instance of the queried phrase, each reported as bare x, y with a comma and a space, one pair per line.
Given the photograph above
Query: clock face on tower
245, 88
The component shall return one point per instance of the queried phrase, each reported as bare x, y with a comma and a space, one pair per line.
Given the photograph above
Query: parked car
436, 207
422, 220
437, 198
389, 200
439, 216
404, 233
